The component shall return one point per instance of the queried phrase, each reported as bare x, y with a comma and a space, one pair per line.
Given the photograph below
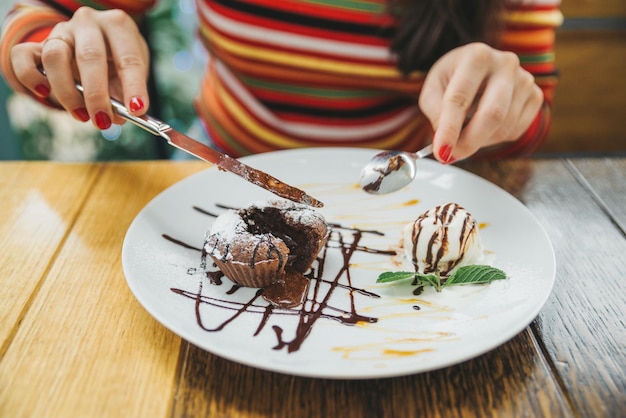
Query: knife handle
146, 122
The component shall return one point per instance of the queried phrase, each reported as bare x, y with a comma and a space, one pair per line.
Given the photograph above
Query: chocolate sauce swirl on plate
309, 296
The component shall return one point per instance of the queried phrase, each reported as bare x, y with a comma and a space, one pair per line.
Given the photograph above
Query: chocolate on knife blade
226, 163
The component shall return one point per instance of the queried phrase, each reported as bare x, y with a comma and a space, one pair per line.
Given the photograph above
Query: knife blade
222, 161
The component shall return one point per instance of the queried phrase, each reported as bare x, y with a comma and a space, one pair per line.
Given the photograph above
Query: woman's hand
104, 50
476, 96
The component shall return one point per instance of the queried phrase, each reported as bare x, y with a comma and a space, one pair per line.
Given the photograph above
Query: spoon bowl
389, 171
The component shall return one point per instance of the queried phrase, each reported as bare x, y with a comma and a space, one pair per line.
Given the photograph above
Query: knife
222, 161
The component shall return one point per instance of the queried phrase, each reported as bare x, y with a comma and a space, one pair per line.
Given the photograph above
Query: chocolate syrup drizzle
314, 302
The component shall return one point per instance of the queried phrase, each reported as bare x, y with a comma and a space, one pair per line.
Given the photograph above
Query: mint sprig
472, 274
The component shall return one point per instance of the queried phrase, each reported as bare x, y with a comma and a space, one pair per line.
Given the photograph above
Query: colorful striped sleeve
24, 23
31, 21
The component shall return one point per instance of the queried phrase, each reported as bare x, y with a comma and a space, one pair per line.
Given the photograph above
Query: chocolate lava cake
254, 245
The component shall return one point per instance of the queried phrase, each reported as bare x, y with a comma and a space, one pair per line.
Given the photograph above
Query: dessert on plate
444, 249
255, 245
442, 239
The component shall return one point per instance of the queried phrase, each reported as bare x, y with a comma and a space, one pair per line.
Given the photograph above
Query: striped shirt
307, 73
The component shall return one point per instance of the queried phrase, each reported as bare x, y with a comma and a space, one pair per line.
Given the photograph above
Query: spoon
389, 171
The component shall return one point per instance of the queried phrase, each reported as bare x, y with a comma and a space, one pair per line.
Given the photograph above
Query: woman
295, 73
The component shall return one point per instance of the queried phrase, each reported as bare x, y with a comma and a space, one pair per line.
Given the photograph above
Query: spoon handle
425, 152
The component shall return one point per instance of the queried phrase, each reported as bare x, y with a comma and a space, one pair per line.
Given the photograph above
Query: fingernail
445, 153
42, 90
135, 104
103, 121
81, 114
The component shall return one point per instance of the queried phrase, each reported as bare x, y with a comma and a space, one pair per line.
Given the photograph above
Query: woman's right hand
103, 50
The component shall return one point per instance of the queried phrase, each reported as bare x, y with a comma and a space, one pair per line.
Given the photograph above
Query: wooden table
74, 342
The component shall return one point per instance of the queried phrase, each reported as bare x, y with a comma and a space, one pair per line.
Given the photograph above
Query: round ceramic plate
349, 327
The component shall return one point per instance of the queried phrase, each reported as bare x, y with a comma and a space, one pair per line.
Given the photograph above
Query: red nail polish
135, 104
445, 153
81, 114
103, 121
42, 90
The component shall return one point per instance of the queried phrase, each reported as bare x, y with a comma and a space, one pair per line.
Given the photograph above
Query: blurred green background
31, 131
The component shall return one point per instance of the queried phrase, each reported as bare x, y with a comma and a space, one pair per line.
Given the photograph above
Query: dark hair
427, 29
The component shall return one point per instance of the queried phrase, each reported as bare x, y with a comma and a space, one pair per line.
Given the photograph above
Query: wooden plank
113, 359
593, 8
590, 98
513, 380
39, 203
582, 324
608, 181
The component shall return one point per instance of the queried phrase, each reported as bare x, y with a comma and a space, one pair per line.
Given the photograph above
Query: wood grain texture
33, 205
607, 180
512, 380
582, 324
86, 348
590, 99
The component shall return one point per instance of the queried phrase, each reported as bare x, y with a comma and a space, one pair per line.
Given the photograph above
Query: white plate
412, 334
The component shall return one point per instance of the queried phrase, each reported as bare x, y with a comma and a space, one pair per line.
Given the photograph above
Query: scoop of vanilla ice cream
442, 239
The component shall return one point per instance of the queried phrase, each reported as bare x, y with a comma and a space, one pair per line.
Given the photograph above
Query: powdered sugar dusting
228, 225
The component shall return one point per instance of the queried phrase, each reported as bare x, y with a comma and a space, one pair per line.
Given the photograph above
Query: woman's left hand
476, 96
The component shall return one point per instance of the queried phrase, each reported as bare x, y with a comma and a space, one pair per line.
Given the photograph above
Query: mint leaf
392, 276
475, 274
